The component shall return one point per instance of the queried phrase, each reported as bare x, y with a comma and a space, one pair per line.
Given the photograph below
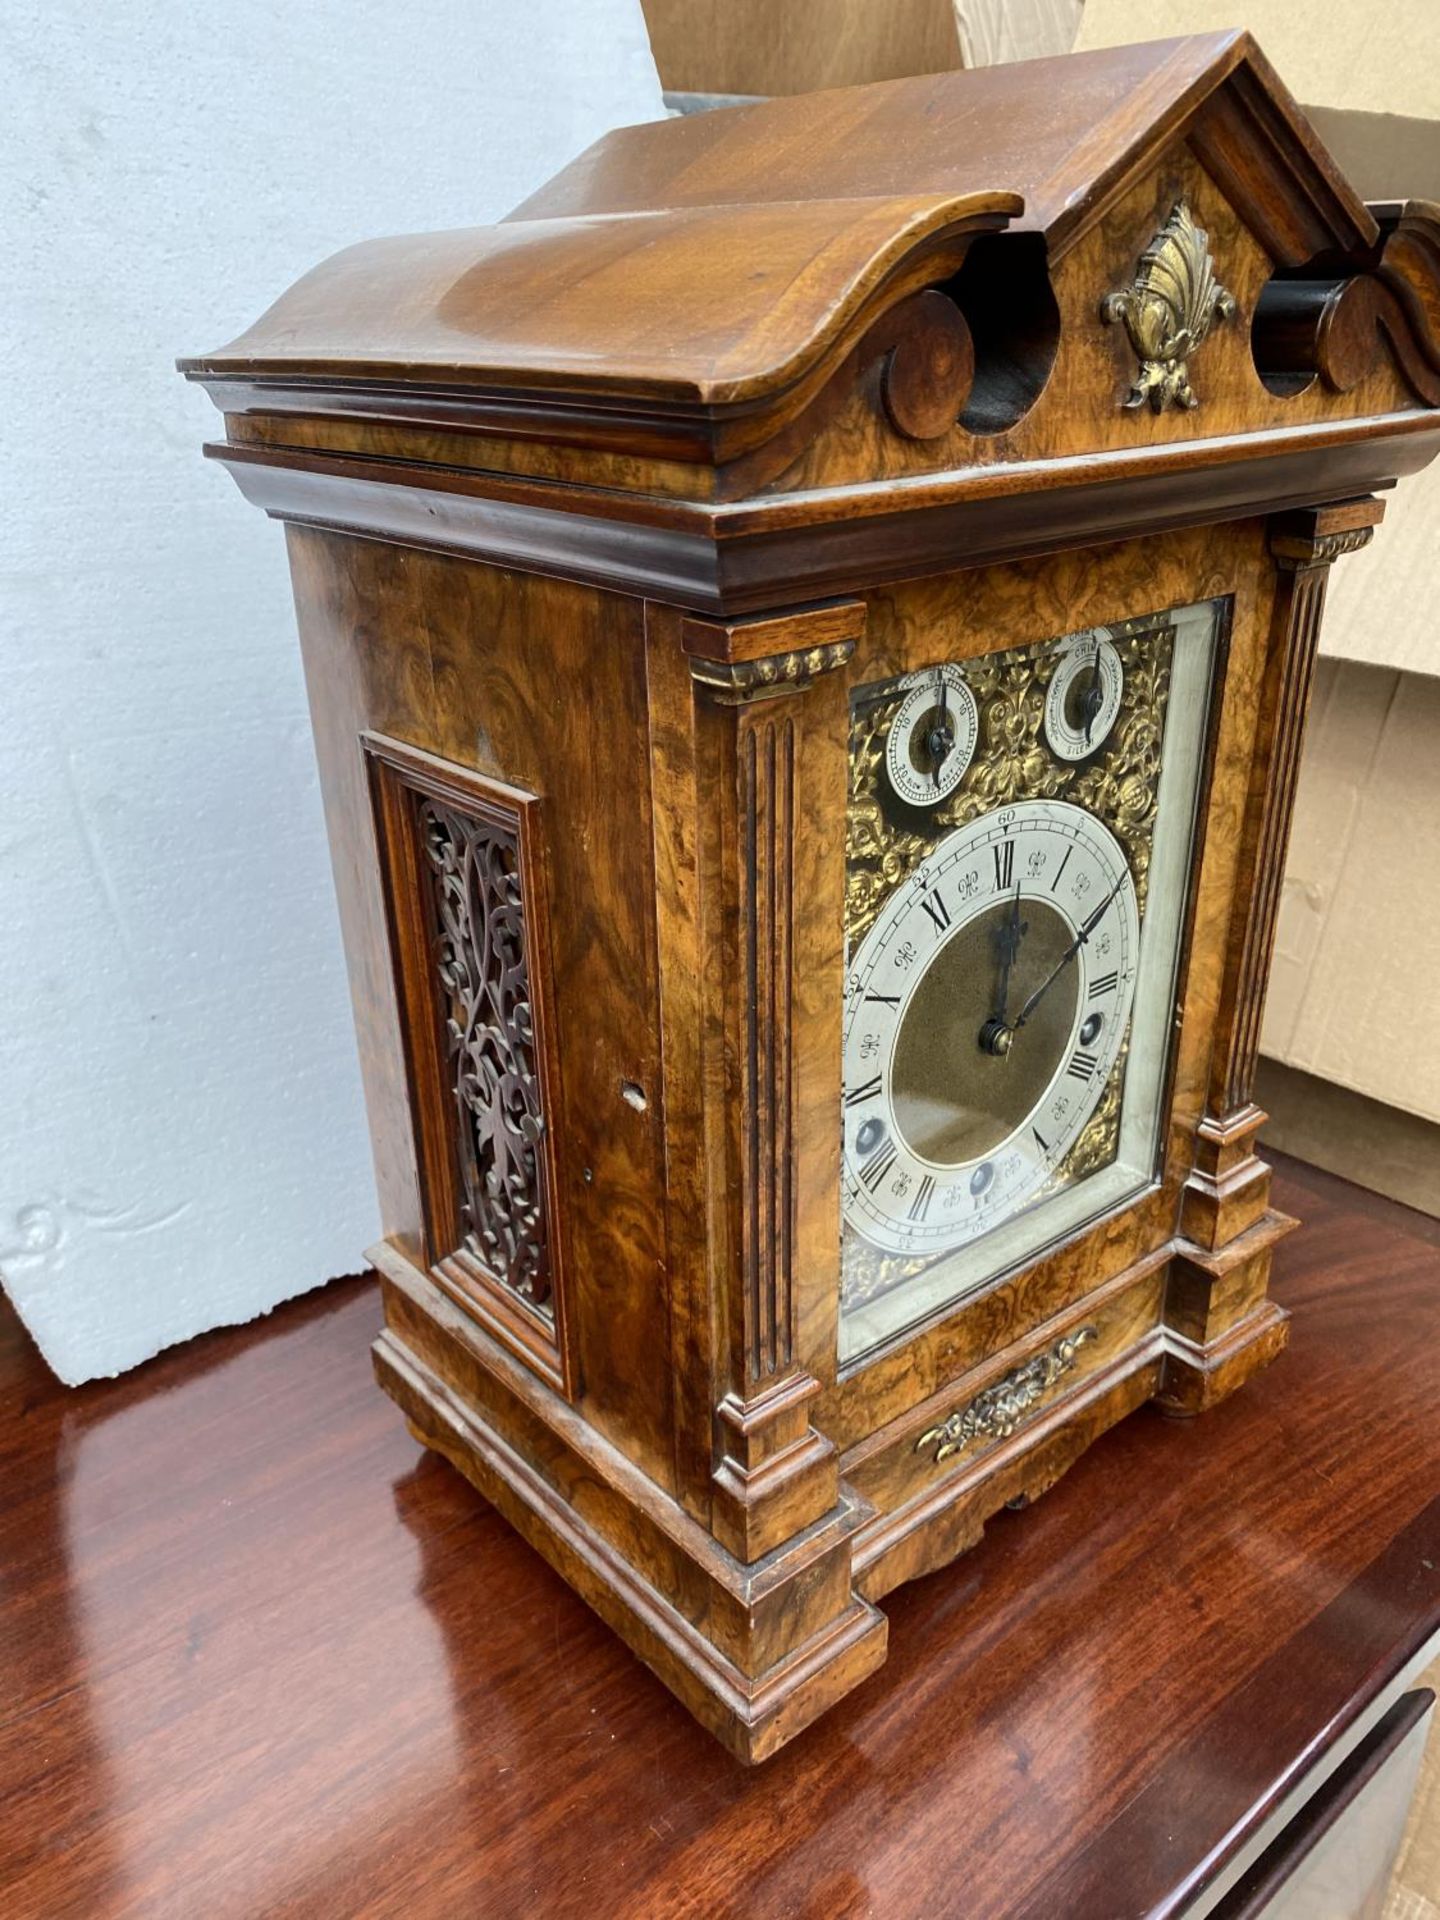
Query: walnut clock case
808, 625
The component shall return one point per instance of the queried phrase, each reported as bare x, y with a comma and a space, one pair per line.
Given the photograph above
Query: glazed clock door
1019, 845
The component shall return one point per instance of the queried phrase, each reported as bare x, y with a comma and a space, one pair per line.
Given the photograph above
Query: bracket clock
808, 625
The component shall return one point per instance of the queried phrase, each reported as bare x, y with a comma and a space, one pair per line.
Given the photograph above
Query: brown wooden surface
262, 1656
749, 359
1076, 410
472, 665
1069, 134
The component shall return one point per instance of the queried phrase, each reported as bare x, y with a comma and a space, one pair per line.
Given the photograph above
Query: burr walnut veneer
629, 538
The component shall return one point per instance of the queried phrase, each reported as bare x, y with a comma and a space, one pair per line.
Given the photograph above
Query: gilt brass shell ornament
1168, 309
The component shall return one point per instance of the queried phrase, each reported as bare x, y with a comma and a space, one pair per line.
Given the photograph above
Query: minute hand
1069, 954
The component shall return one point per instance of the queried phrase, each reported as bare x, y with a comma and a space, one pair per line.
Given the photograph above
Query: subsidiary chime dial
985, 1011
932, 738
1083, 697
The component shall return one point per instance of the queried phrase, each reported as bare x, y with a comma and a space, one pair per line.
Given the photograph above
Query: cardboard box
744, 48
709, 50
1347, 53
1355, 988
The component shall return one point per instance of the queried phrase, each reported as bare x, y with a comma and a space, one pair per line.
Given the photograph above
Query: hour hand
1008, 936
995, 1034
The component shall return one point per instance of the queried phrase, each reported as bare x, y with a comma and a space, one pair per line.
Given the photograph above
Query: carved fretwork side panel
467, 917
483, 971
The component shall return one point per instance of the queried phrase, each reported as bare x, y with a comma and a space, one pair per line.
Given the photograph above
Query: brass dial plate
1013, 762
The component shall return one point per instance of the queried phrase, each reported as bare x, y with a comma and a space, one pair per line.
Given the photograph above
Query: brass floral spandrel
1168, 309
999, 1410
481, 961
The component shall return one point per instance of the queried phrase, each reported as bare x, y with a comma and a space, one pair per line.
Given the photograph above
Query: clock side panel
533, 688
875, 1411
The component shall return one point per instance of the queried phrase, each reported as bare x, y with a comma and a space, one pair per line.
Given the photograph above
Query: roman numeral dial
986, 1012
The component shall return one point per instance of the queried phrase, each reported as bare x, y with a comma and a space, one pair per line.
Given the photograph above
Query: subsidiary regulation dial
1083, 697
932, 737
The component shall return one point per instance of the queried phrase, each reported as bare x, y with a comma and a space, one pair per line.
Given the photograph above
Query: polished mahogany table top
259, 1655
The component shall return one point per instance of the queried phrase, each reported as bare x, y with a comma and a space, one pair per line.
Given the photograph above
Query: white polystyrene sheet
182, 1140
